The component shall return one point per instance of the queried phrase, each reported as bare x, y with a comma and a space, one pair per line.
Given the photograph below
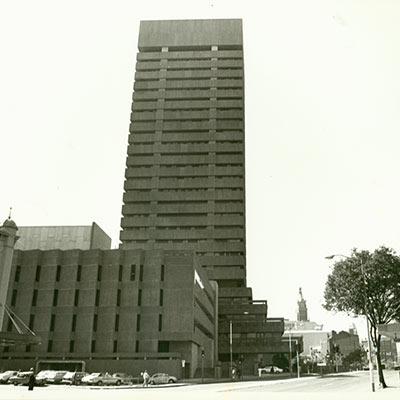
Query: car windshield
69, 375
94, 374
47, 373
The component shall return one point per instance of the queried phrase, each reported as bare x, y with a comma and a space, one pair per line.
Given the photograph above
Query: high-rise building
185, 175
184, 186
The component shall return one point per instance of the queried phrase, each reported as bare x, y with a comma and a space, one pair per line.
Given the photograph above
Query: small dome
9, 223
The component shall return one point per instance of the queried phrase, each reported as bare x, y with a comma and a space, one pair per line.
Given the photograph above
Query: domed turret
9, 223
8, 237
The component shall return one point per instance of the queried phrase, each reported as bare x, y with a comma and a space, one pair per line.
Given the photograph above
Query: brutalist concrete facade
116, 310
184, 186
185, 173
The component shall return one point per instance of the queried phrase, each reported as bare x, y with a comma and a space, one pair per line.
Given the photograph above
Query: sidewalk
246, 378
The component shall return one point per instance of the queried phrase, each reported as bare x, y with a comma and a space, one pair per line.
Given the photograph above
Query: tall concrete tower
8, 238
184, 179
302, 314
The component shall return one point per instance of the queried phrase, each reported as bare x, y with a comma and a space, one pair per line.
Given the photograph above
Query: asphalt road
347, 386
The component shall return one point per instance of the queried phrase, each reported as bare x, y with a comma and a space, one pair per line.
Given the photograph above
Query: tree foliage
354, 359
280, 360
367, 284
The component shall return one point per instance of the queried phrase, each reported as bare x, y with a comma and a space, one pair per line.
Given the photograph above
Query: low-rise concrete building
116, 310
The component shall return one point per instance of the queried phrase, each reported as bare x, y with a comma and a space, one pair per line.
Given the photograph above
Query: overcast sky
322, 126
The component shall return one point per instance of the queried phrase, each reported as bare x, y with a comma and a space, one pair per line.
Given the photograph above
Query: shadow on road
337, 376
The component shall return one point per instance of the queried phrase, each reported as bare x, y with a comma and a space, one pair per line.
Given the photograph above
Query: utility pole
297, 359
370, 364
202, 365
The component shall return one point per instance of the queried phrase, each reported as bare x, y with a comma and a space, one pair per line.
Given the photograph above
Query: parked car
125, 378
5, 376
55, 377
44, 374
73, 378
162, 378
22, 378
101, 378
271, 369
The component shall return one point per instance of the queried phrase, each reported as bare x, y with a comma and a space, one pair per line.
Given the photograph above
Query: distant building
390, 351
344, 342
315, 340
391, 336
302, 322
302, 313
315, 343
389, 355
84, 237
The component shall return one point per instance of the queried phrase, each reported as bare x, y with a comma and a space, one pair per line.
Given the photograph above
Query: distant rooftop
82, 237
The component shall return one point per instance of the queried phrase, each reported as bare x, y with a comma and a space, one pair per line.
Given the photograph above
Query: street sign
183, 363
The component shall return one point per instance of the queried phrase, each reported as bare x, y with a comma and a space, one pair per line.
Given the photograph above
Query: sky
322, 94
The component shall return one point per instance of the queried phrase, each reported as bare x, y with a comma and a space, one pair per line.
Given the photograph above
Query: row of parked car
79, 378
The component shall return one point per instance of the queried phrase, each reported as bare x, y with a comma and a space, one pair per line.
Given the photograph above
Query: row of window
97, 297
95, 317
163, 347
79, 273
185, 178
229, 203
186, 68
173, 56
162, 164
179, 190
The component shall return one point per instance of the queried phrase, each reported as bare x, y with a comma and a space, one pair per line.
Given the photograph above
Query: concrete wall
62, 238
180, 33
99, 239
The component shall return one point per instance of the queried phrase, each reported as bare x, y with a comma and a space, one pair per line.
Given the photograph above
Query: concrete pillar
214, 285
8, 238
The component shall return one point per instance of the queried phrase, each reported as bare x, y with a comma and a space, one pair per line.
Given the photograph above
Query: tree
354, 359
374, 293
280, 360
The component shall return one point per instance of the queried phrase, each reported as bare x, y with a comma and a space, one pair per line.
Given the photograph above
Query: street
353, 385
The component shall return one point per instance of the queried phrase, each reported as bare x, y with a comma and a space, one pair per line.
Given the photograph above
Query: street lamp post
370, 365
290, 352
297, 358
230, 348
